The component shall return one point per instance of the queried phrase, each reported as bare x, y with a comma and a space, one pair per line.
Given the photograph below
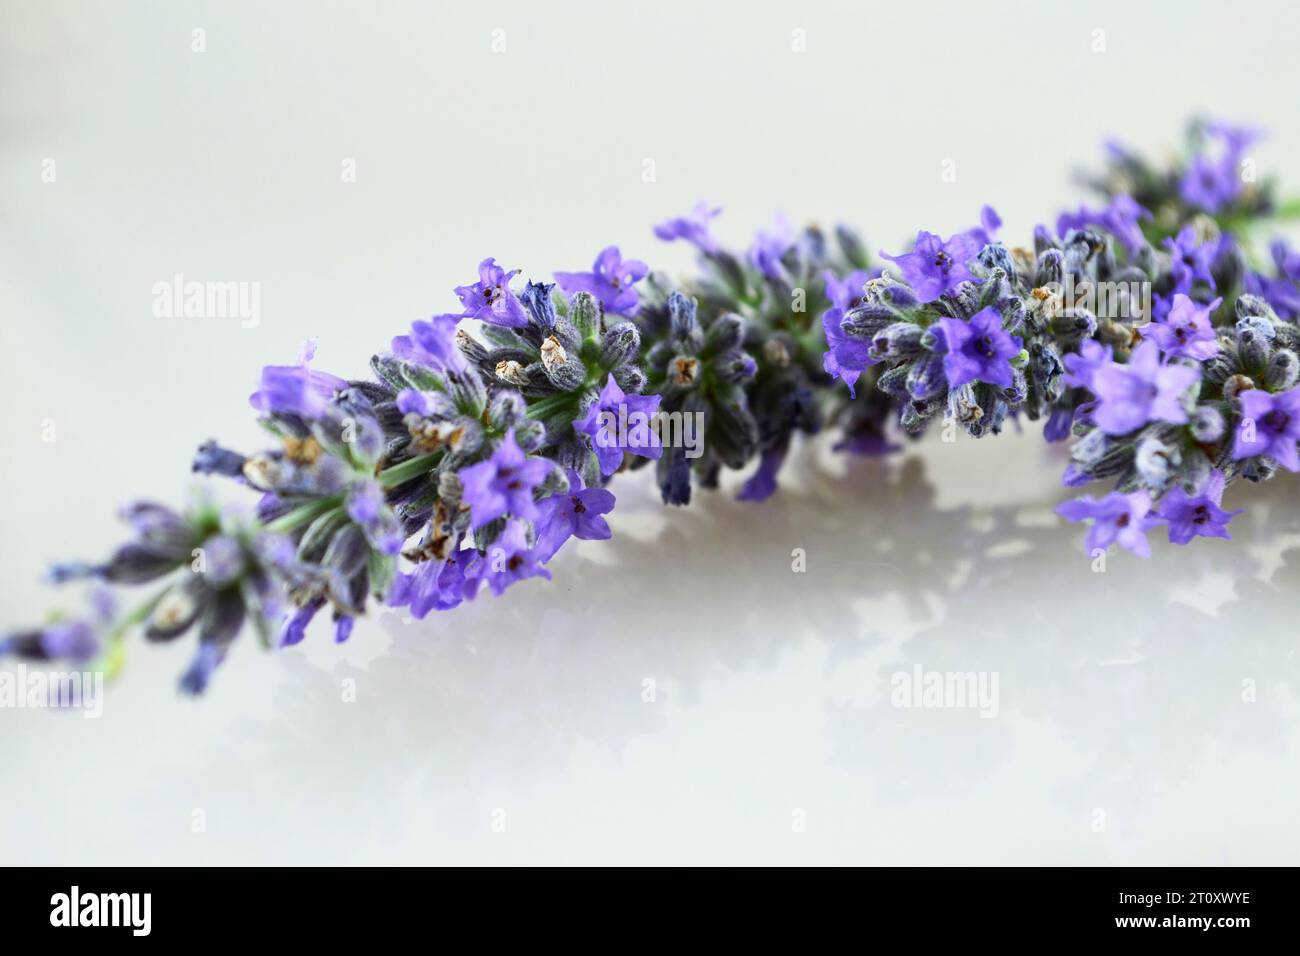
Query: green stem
303, 514
549, 405
390, 477
138, 615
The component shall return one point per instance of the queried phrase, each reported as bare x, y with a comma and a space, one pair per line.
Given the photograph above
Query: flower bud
507, 409
585, 313
894, 382
1249, 305
727, 332
1156, 462
212, 459
851, 246
1206, 424
902, 340
536, 298
1051, 268
776, 352
1283, 371
735, 366
630, 378
566, 372
1236, 384
925, 378
681, 317
684, 371
619, 345
865, 321
470, 347
1253, 348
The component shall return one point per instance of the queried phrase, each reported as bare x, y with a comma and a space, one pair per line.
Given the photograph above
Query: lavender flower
1191, 260
610, 280
1116, 519
617, 422
490, 299
846, 356
1186, 331
694, 228
934, 266
769, 249
978, 350
990, 222
1142, 391
436, 585
432, 344
1122, 216
1190, 516
503, 484
1282, 291
1081, 366
296, 389
510, 559
366, 507
1270, 425
574, 514
1213, 178
77, 639
762, 484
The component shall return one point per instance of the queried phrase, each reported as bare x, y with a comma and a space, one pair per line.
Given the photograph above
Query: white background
1122, 734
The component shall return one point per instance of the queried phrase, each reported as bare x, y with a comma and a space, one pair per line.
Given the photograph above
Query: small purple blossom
990, 222
296, 389
367, 508
1142, 391
1082, 365
574, 514
769, 249
1270, 425
1213, 177
846, 356
1186, 331
295, 626
1117, 518
435, 585
845, 293
979, 350
610, 280
934, 266
1122, 216
1190, 516
431, 344
1282, 292
202, 666
694, 228
79, 638
490, 299
1190, 259
762, 484
503, 484
510, 559
618, 423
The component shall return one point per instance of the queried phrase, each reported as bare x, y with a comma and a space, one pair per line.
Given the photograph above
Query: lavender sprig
1138, 328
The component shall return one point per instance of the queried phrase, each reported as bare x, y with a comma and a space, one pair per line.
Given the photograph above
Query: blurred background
676, 694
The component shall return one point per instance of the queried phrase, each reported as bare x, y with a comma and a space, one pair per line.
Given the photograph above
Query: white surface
1119, 692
